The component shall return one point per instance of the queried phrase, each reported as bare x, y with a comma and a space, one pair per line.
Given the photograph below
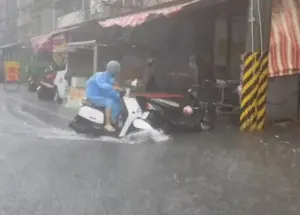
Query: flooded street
47, 169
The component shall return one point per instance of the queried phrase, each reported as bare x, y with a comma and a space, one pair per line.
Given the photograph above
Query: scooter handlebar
124, 91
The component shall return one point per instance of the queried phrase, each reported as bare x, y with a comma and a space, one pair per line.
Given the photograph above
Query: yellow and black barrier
254, 90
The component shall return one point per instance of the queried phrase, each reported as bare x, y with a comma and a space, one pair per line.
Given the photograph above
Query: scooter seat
88, 103
166, 103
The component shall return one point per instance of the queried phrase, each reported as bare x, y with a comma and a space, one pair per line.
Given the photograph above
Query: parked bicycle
222, 95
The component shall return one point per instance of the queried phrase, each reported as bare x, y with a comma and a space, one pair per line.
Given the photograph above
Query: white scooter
91, 119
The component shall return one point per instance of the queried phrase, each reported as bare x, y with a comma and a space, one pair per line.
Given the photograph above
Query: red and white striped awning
285, 39
44, 42
139, 18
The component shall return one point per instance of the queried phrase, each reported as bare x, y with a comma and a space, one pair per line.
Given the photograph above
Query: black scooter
46, 89
33, 84
168, 115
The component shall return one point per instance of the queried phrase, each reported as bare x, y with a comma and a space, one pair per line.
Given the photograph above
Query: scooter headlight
149, 107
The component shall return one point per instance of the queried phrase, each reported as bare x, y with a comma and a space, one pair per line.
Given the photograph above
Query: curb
72, 104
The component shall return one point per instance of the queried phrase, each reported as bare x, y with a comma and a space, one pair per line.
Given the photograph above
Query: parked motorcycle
91, 120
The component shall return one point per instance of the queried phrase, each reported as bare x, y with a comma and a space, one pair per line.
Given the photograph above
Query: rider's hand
116, 87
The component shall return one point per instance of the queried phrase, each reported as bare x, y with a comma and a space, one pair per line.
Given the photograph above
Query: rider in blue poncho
102, 92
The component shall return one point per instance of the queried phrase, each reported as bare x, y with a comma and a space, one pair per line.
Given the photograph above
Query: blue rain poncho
101, 93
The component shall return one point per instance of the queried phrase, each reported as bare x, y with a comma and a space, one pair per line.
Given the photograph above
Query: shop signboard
12, 71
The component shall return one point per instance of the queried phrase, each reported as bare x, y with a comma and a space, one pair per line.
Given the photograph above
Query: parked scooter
46, 89
61, 85
170, 116
91, 120
33, 84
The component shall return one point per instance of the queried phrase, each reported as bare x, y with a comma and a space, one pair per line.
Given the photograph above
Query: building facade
2, 18
70, 12
8, 16
24, 18
35, 17
109, 8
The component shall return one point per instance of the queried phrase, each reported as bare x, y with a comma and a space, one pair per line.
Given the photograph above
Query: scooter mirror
127, 92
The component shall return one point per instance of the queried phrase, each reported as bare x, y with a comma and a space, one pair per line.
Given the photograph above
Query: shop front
178, 44
19, 53
186, 42
284, 66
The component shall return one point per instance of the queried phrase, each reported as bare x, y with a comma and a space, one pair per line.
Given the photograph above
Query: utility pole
260, 15
255, 74
229, 37
54, 20
84, 9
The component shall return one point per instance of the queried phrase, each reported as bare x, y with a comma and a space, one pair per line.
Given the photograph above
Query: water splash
22, 128
17, 124
135, 138
146, 136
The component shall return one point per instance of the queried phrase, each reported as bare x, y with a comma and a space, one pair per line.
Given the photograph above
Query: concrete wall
22, 3
80, 64
281, 91
47, 18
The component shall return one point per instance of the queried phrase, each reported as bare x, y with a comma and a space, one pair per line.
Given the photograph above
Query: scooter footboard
77, 127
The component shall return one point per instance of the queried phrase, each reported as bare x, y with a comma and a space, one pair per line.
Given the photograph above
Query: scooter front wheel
166, 128
206, 123
205, 126
39, 95
57, 98
31, 88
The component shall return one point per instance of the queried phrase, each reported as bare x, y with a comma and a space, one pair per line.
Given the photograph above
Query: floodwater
17, 122
47, 169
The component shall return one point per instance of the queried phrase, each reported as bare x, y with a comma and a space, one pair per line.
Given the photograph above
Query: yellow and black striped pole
255, 74
262, 91
250, 83
254, 91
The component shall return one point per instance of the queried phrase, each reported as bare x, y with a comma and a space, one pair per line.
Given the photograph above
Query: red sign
12, 70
